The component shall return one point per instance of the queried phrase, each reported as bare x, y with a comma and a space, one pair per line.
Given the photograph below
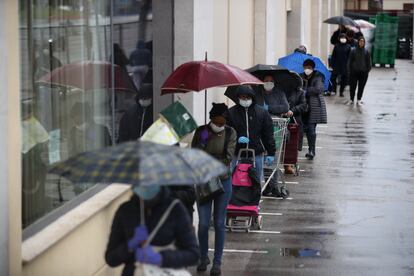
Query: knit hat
218, 109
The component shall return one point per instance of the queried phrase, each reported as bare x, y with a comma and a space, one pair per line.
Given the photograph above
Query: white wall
396, 4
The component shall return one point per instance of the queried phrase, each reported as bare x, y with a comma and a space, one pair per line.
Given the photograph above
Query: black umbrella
341, 20
262, 70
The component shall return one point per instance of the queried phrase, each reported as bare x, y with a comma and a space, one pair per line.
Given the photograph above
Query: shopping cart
275, 170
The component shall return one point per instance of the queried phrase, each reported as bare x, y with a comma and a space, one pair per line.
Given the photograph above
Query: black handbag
209, 191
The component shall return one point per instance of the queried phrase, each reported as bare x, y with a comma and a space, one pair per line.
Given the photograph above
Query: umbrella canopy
141, 163
200, 75
364, 24
341, 20
295, 61
262, 70
89, 75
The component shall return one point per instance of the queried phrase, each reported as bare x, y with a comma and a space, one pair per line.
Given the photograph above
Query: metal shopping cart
274, 172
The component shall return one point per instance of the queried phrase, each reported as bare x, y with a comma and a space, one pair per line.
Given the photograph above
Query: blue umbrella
295, 61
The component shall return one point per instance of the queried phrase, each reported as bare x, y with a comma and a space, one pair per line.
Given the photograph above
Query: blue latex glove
243, 140
147, 255
269, 160
140, 236
266, 107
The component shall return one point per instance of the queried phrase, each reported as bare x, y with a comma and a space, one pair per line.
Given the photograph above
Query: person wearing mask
339, 63
141, 61
359, 66
316, 114
335, 36
297, 107
254, 128
129, 231
219, 140
271, 98
138, 118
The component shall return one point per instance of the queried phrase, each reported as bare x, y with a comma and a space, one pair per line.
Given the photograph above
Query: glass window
80, 72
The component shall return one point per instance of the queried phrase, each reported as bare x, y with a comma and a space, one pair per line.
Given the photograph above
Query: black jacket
177, 229
260, 130
130, 124
359, 60
316, 103
339, 59
276, 101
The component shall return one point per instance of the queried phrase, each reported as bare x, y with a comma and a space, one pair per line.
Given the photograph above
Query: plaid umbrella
141, 163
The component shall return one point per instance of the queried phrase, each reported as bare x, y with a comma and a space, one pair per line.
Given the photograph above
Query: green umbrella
141, 163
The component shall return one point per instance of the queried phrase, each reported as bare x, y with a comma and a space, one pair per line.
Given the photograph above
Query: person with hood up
254, 128
141, 61
359, 65
316, 114
138, 118
339, 62
129, 233
219, 140
335, 36
271, 98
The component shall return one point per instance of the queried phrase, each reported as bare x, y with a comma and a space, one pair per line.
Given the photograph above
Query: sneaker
215, 270
360, 102
204, 262
350, 103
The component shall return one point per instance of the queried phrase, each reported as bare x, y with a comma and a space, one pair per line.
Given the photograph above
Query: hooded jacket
339, 59
359, 60
253, 122
177, 229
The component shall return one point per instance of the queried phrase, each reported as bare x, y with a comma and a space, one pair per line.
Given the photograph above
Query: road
351, 210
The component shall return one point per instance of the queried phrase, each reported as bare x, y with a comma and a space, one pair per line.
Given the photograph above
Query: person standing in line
335, 36
219, 140
138, 118
254, 128
359, 66
339, 62
271, 98
314, 86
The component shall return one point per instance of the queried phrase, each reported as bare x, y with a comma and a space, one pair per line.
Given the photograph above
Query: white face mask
308, 72
215, 128
245, 103
342, 40
145, 103
268, 86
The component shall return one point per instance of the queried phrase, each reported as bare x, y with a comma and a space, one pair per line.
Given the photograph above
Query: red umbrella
200, 75
89, 75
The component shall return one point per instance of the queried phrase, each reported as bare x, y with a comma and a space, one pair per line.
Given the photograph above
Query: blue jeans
259, 166
220, 212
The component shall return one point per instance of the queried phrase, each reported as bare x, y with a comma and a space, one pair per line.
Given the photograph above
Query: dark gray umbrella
341, 20
141, 163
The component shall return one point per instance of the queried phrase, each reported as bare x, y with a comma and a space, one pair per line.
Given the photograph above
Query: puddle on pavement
300, 252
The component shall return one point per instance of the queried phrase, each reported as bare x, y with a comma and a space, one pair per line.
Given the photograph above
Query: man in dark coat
316, 114
335, 36
138, 118
271, 98
359, 65
127, 234
339, 62
253, 126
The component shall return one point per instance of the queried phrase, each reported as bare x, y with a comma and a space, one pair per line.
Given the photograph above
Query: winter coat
314, 88
214, 145
176, 230
132, 120
339, 58
258, 128
276, 101
359, 60
298, 105
186, 194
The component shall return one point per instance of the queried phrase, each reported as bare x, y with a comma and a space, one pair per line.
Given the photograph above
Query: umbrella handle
142, 211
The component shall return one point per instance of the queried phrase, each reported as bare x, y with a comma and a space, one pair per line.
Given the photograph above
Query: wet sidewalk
351, 210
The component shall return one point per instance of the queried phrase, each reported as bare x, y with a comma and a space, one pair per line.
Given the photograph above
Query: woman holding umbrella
127, 239
218, 140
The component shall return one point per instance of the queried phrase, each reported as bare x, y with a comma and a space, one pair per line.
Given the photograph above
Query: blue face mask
147, 192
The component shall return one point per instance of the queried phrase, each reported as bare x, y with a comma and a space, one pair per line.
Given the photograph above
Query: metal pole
112, 71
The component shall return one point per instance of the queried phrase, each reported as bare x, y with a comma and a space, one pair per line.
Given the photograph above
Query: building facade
50, 227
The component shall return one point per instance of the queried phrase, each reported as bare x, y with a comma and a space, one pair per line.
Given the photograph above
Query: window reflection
76, 85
